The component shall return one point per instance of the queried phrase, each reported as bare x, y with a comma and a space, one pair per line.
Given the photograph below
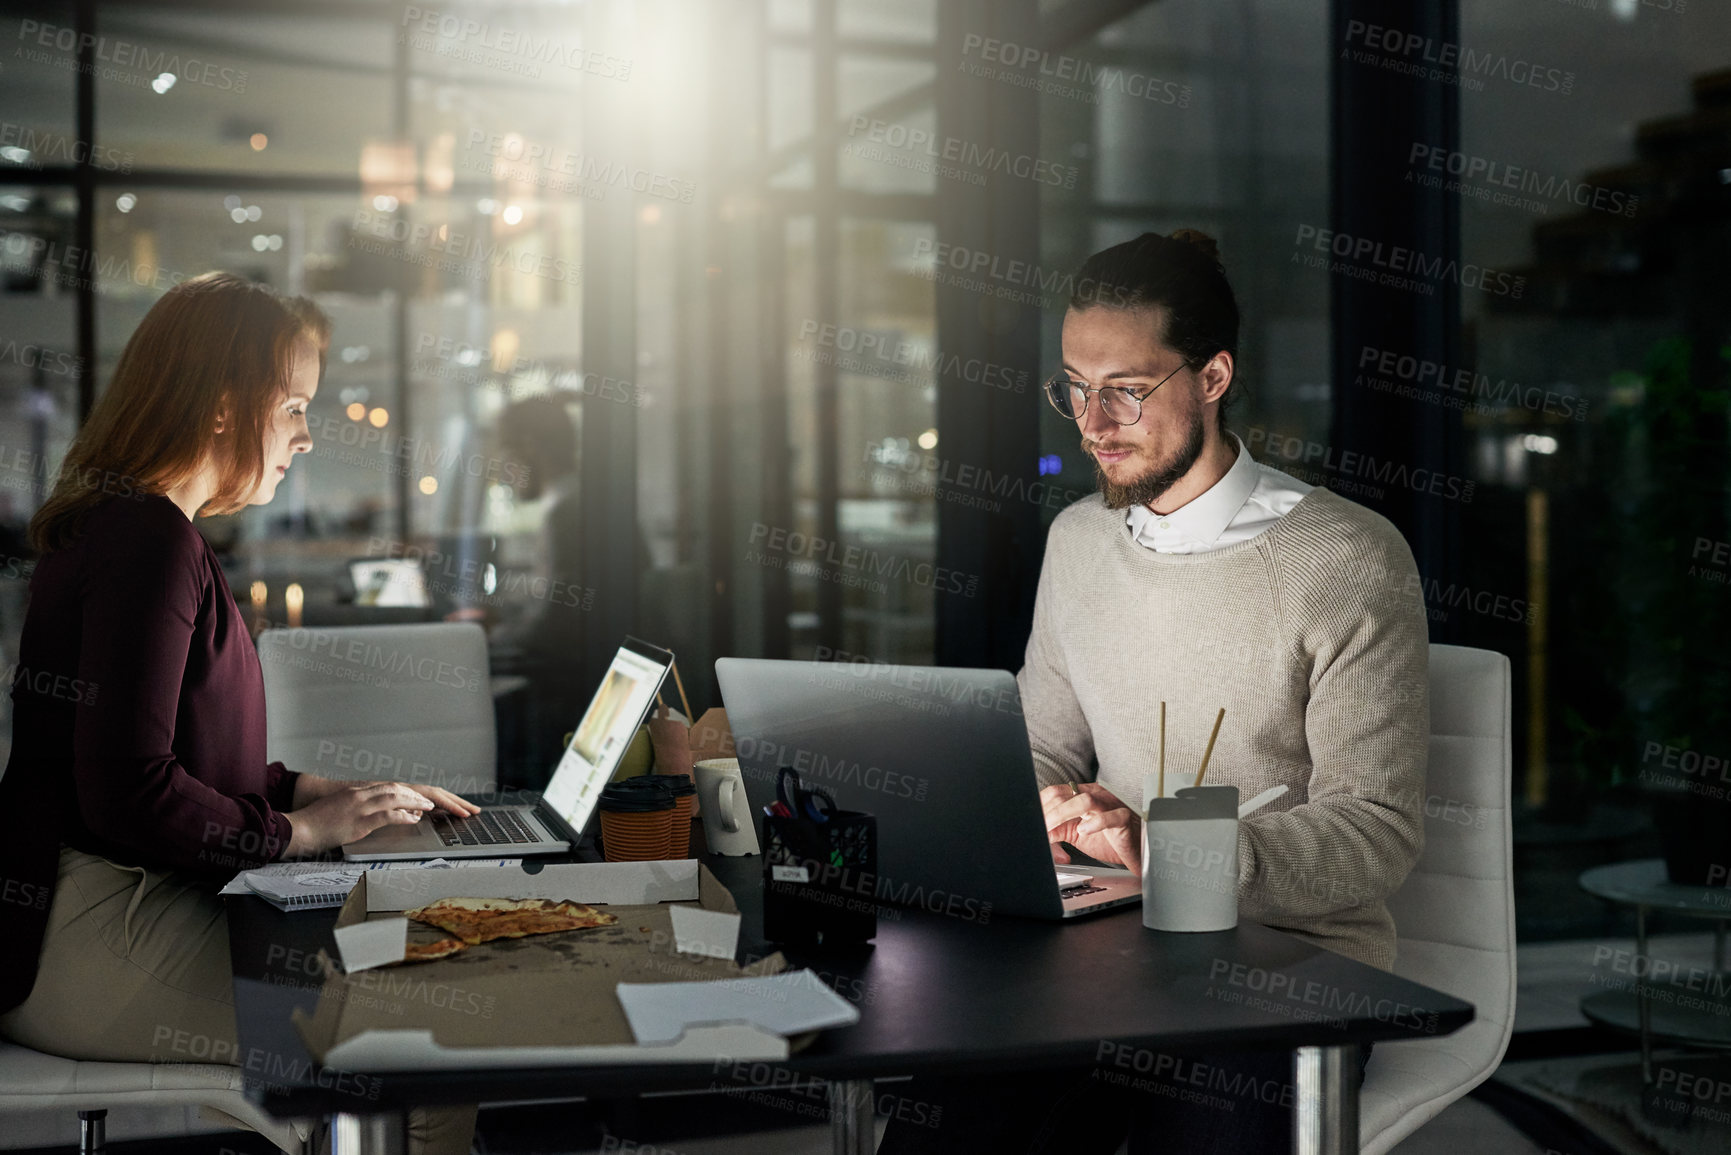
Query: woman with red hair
137, 783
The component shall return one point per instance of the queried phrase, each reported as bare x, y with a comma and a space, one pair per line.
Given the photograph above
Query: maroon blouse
138, 722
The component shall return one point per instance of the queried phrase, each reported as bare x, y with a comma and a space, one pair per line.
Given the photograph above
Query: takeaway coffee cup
637, 819
1190, 860
727, 824
684, 803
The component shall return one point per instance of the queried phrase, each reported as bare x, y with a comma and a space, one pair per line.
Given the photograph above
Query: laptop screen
389, 581
627, 691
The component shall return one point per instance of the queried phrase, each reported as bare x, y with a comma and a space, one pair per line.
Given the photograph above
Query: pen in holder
1190, 860
819, 868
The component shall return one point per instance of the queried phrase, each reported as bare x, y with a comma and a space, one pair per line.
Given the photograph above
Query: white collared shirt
1247, 500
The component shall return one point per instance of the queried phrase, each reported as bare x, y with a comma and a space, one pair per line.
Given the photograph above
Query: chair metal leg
851, 1103
1643, 1008
92, 1131
382, 1134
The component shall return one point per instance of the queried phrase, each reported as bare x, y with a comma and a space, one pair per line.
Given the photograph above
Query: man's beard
1152, 484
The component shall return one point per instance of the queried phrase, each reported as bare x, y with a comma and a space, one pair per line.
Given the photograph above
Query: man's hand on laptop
354, 810
1092, 819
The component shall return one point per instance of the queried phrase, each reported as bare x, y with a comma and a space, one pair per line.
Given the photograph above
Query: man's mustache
1095, 447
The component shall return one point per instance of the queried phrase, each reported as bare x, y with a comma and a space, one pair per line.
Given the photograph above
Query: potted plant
1661, 708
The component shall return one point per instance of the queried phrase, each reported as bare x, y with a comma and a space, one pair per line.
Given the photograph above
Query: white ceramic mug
727, 824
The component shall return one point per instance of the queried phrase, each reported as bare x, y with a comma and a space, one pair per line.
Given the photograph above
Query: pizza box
658, 986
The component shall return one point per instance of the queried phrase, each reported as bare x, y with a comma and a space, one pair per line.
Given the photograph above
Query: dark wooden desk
937, 994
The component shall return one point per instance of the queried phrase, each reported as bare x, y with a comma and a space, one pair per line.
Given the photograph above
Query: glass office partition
1596, 411
39, 362
439, 196
264, 91
470, 219
804, 460
1213, 117
888, 446
40, 372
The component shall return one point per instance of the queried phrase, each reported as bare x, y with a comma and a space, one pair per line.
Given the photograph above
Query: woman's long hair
214, 348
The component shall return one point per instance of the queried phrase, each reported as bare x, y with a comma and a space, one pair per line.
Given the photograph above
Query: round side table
1693, 1009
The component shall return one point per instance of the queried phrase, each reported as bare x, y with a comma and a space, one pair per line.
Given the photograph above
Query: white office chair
405, 702
410, 703
1455, 914
40, 1094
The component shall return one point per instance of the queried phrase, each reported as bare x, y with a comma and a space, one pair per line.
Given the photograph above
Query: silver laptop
941, 757
523, 822
389, 581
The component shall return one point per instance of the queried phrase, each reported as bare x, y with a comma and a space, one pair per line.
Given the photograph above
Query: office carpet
1690, 1114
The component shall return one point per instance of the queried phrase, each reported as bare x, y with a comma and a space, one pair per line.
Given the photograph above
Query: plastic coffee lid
634, 803
681, 784
619, 798
646, 782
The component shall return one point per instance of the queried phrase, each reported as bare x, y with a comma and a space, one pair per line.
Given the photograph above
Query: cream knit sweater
1312, 635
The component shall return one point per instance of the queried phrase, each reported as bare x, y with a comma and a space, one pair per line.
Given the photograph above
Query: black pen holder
820, 879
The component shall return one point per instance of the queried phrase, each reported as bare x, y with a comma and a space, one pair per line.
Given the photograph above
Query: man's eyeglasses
1120, 404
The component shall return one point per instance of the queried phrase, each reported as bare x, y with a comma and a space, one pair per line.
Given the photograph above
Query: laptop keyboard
488, 828
1069, 892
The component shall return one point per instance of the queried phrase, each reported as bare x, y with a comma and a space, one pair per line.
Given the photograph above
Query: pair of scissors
817, 804
787, 788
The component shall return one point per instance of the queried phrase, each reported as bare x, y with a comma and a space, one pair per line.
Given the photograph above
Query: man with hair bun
1201, 579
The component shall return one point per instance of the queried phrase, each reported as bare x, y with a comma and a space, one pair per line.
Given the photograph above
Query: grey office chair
409, 703
1455, 914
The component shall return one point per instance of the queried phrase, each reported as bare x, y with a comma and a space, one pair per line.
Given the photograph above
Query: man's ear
1216, 376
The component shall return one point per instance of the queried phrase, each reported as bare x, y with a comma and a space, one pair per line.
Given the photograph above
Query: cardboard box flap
419, 1051
593, 883
711, 895
784, 1004
372, 943
714, 933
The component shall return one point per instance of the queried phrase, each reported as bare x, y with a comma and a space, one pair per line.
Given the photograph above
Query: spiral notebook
310, 885
329, 887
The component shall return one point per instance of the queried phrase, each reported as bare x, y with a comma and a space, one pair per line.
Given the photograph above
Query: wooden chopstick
1208, 753
690, 719
1162, 791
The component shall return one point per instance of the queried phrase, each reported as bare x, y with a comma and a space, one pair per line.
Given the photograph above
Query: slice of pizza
478, 920
418, 952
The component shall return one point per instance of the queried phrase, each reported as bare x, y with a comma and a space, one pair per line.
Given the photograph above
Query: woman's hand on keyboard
448, 802
357, 809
